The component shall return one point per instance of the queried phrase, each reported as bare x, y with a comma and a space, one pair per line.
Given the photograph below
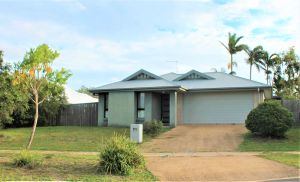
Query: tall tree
268, 63
37, 77
11, 98
254, 58
233, 47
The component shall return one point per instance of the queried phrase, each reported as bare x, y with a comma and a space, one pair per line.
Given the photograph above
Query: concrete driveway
218, 168
197, 138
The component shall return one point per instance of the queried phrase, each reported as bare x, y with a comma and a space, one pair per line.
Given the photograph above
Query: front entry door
165, 108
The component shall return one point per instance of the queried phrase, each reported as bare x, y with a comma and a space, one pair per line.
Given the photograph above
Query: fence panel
78, 115
294, 107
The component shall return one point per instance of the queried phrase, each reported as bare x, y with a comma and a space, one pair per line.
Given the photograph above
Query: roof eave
97, 91
229, 89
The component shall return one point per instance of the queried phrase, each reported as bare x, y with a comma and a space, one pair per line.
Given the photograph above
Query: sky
105, 41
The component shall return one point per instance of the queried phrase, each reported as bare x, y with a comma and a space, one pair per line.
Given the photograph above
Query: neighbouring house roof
190, 81
74, 97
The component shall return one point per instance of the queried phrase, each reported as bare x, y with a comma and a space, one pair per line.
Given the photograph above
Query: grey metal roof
221, 81
169, 81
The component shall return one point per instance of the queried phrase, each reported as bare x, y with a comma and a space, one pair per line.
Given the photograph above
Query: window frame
138, 108
105, 106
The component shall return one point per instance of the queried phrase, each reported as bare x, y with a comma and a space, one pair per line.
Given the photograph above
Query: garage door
219, 107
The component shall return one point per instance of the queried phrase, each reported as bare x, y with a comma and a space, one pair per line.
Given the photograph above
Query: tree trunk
267, 75
231, 63
36, 116
250, 71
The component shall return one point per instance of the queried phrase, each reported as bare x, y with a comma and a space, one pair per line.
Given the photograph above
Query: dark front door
165, 108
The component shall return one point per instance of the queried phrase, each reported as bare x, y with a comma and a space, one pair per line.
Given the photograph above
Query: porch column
173, 110
101, 110
148, 106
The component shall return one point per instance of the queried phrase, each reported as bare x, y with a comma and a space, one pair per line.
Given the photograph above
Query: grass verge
285, 158
64, 167
255, 143
61, 138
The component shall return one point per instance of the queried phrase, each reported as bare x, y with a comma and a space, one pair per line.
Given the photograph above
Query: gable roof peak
194, 75
142, 75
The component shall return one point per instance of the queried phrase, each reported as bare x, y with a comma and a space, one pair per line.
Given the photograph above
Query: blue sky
105, 41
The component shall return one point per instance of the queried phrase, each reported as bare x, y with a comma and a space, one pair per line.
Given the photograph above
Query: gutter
139, 89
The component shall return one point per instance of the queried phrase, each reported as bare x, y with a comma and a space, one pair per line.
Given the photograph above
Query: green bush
119, 156
269, 119
153, 128
27, 159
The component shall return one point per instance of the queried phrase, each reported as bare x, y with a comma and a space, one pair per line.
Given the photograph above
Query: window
140, 105
105, 105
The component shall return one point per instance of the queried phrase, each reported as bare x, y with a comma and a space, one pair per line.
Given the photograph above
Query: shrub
27, 159
119, 156
269, 119
153, 128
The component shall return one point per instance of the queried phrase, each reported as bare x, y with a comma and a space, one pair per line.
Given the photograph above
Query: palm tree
268, 62
233, 48
254, 57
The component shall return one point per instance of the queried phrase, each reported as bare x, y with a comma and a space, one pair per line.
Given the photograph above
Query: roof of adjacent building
190, 81
74, 97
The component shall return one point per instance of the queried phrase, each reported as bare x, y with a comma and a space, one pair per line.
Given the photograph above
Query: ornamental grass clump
269, 119
119, 156
27, 159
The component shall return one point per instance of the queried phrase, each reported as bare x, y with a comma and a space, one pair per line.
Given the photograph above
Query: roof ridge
245, 79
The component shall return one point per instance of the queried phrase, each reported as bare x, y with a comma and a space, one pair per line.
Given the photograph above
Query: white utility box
136, 133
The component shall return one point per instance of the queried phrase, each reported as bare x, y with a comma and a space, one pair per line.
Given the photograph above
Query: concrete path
218, 168
197, 138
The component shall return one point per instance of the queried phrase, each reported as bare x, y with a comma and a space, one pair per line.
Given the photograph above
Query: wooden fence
78, 115
294, 107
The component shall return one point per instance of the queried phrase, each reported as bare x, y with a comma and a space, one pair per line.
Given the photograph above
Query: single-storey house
190, 98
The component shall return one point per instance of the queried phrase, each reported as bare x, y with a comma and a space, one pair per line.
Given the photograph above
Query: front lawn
60, 138
64, 167
254, 143
286, 158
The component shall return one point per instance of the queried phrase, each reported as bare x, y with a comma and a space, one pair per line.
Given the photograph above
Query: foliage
85, 90
233, 48
255, 57
286, 78
27, 159
36, 76
269, 119
120, 156
12, 99
268, 63
153, 128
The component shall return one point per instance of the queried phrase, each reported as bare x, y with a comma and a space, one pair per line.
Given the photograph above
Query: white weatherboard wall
217, 107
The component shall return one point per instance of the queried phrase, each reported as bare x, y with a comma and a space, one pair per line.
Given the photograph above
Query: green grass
285, 158
255, 143
60, 138
69, 167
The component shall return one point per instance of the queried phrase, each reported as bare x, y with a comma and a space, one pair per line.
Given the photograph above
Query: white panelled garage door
218, 107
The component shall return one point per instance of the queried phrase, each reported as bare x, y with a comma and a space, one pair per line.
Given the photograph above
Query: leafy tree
268, 63
12, 99
36, 76
233, 48
85, 90
254, 57
286, 75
